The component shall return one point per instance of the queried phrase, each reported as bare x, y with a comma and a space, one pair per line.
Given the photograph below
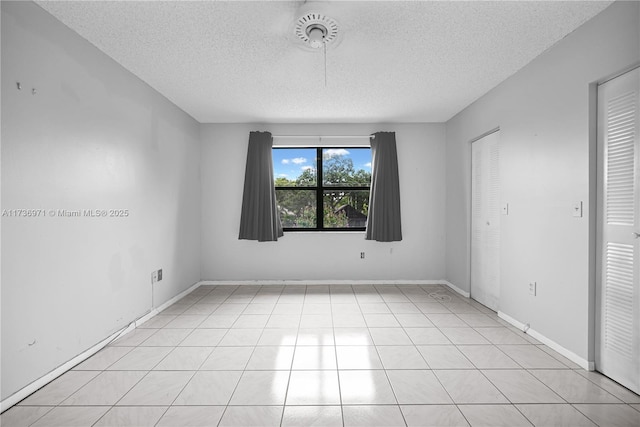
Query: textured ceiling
394, 61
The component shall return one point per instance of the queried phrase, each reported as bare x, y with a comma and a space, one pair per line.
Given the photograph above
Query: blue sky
291, 162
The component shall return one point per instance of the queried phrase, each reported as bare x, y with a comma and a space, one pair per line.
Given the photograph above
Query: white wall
92, 137
324, 255
546, 154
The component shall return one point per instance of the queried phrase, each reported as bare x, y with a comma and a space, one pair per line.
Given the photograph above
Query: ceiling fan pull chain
325, 64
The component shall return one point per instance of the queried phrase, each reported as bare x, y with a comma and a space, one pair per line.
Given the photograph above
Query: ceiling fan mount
316, 30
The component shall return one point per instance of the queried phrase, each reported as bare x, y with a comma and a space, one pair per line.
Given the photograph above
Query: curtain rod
324, 136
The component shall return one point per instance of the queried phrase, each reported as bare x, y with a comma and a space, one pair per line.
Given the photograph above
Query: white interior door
618, 293
485, 220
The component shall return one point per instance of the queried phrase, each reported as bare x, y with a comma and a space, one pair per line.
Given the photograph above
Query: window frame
320, 189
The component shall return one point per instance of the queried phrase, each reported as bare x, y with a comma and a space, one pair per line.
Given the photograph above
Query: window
322, 188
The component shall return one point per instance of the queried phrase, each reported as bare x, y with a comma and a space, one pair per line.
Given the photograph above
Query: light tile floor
327, 356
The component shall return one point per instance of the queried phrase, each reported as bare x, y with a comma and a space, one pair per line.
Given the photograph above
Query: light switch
505, 209
577, 209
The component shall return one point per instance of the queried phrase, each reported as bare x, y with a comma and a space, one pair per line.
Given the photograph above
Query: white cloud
306, 168
297, 161
367, 165
283, 175
334, 152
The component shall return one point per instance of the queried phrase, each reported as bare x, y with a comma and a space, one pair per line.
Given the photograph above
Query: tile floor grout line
463, 415
573, 405
169, 406
125, 393
523, 414
293, 357
386, 375
237, 383
335, 351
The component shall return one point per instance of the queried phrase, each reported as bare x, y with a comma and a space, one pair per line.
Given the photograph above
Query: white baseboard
583, 363
323, 282
44, 380
456, 289
511, 320
178, 297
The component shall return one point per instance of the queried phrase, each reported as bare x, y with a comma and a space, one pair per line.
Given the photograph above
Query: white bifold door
618, 292
485, 220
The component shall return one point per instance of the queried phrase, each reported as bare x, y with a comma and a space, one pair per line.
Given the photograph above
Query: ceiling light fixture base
316, 30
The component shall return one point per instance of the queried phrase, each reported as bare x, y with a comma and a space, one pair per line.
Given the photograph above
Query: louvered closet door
618, 293
485, 221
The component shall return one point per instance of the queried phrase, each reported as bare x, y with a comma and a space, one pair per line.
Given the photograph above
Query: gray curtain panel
259, 219
383, 222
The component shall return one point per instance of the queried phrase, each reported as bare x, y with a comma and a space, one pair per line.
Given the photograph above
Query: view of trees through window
337, 177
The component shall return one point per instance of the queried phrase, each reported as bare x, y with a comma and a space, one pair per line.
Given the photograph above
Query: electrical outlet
361, 255
532, 288
159, 275
154, 277
505, 209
